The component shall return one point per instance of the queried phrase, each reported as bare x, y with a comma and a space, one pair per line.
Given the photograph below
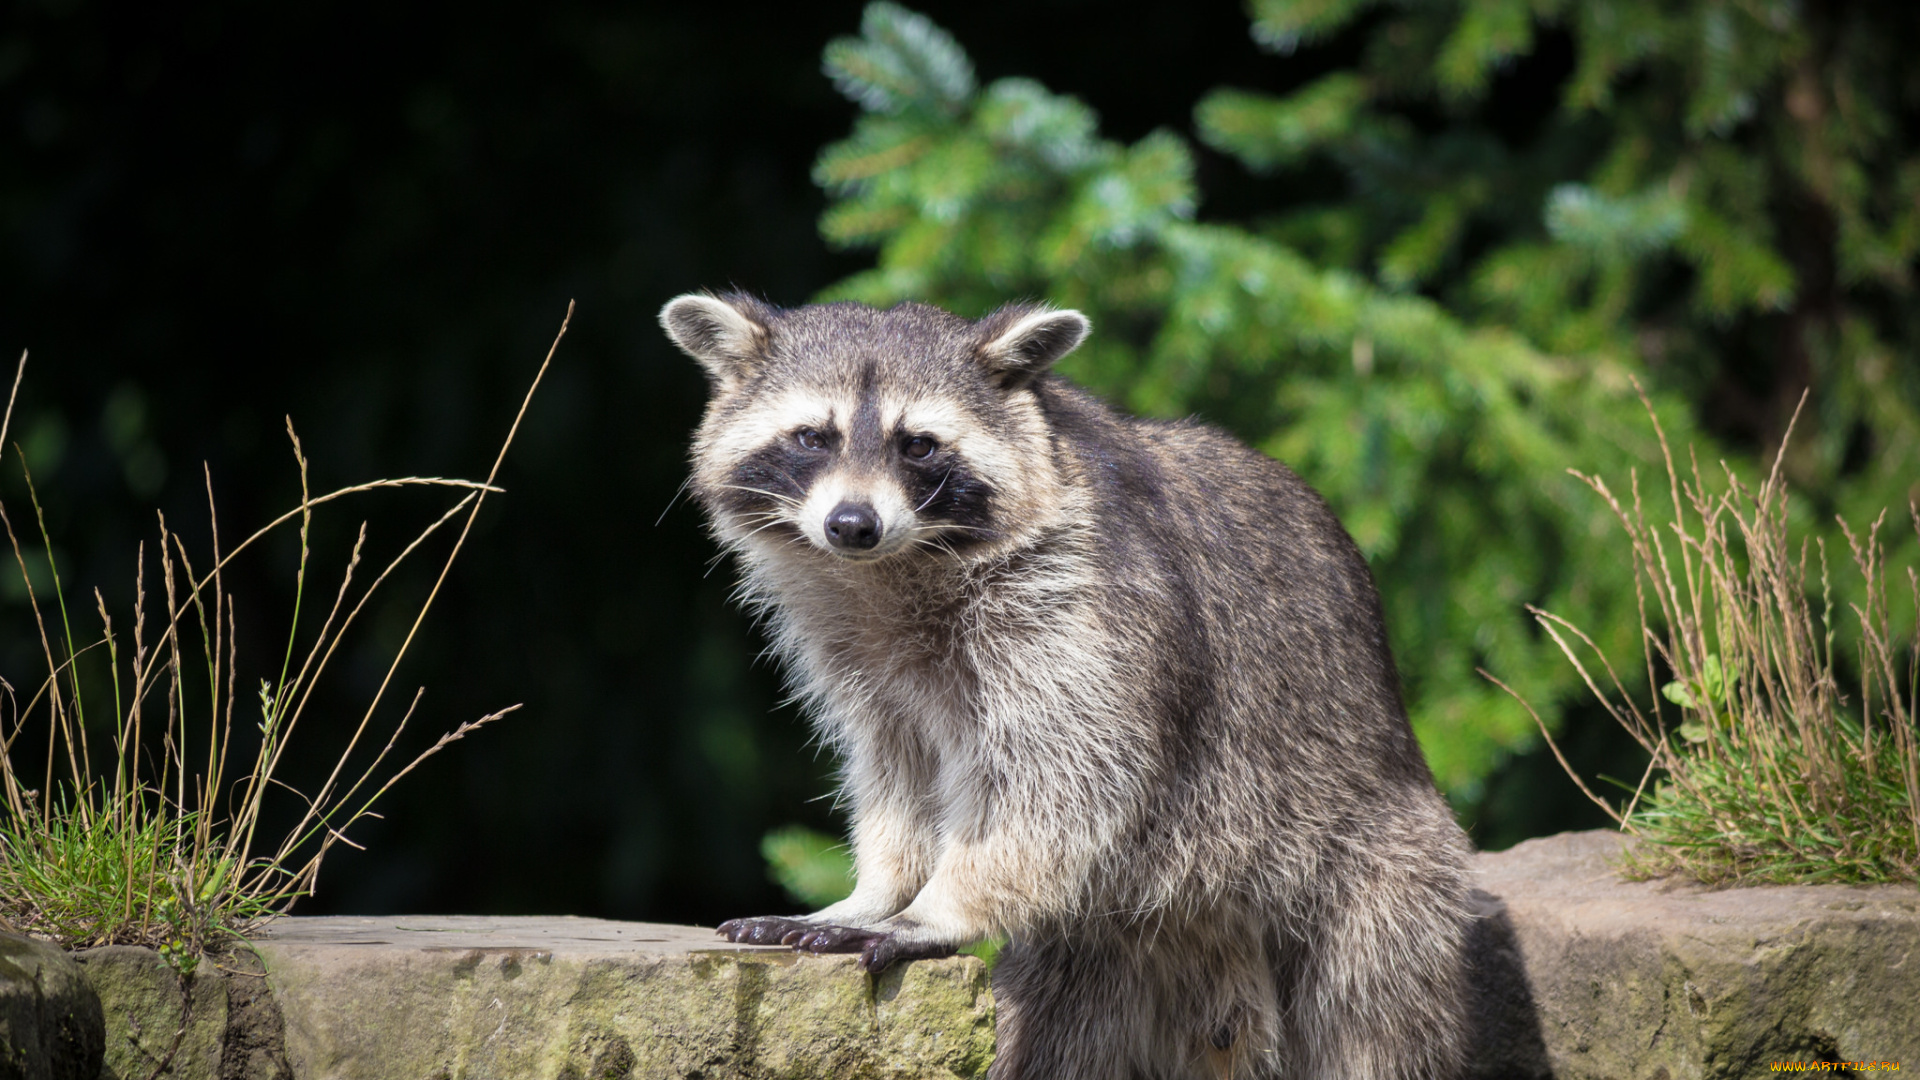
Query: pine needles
1769, 772
144, 829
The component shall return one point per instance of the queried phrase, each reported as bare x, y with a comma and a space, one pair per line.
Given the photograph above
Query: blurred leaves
1435, 347
814, 868
1265, 132
901, 62
1614, 229
1284, 25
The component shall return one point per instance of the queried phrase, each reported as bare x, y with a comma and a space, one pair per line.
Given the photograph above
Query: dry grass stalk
162, 850
1766, 772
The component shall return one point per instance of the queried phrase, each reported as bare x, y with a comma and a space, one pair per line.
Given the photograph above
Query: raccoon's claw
885, 950
771, 930
832, 939
878, 949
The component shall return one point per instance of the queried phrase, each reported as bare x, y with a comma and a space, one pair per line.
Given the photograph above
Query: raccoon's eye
810, 439
918, 447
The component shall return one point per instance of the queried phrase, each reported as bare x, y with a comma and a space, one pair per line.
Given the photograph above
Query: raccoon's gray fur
1116, 689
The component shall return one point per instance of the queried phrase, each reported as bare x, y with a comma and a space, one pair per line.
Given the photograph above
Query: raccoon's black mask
862, 434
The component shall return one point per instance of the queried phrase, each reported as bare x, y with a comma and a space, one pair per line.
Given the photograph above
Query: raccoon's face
864, 435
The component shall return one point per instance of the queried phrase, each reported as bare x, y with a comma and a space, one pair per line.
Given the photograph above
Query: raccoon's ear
727, 334
1020, 342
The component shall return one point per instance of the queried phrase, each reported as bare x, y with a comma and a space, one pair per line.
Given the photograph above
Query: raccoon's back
1249, 605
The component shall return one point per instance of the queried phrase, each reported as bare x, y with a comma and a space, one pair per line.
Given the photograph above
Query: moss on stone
50, 1024
717, 1014
147, 1006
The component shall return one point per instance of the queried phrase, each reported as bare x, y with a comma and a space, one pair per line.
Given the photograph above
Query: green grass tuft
1766, 771
144, 829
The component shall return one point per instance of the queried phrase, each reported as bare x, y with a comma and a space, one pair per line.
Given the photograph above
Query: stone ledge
222, 1024
1584, 975
451, 997
50, 1025
1578, 975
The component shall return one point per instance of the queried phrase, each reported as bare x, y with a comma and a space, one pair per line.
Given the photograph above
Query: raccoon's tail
1197, 1001
1376, 988
1369, 985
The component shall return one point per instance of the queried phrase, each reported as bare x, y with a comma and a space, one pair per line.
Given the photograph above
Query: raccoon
1116, 689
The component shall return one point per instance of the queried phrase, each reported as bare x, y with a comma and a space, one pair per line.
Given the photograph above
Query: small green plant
145, 829
1769, 773
813, 867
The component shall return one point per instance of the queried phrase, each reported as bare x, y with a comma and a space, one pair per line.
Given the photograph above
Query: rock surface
153, 1017
1579, 976
1584, 975
587, 999
50, 1025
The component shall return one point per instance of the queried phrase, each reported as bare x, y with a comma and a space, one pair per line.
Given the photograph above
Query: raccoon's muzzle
853, 526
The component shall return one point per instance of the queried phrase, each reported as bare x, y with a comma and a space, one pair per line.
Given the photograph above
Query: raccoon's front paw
878, 949
888, 949
832, 939
770, 930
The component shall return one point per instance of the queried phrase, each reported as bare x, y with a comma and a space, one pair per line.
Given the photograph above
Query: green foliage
1727, 191
1434, 348
814, 868
1440, 442
900, 63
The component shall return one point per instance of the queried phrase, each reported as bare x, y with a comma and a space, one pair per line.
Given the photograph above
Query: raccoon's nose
853, 525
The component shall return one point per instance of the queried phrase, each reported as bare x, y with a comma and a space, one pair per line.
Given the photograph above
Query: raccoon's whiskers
936, 491
788, 499
932, 539
772, 520
677, 492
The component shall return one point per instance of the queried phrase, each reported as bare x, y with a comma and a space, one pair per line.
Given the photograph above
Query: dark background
371, 218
